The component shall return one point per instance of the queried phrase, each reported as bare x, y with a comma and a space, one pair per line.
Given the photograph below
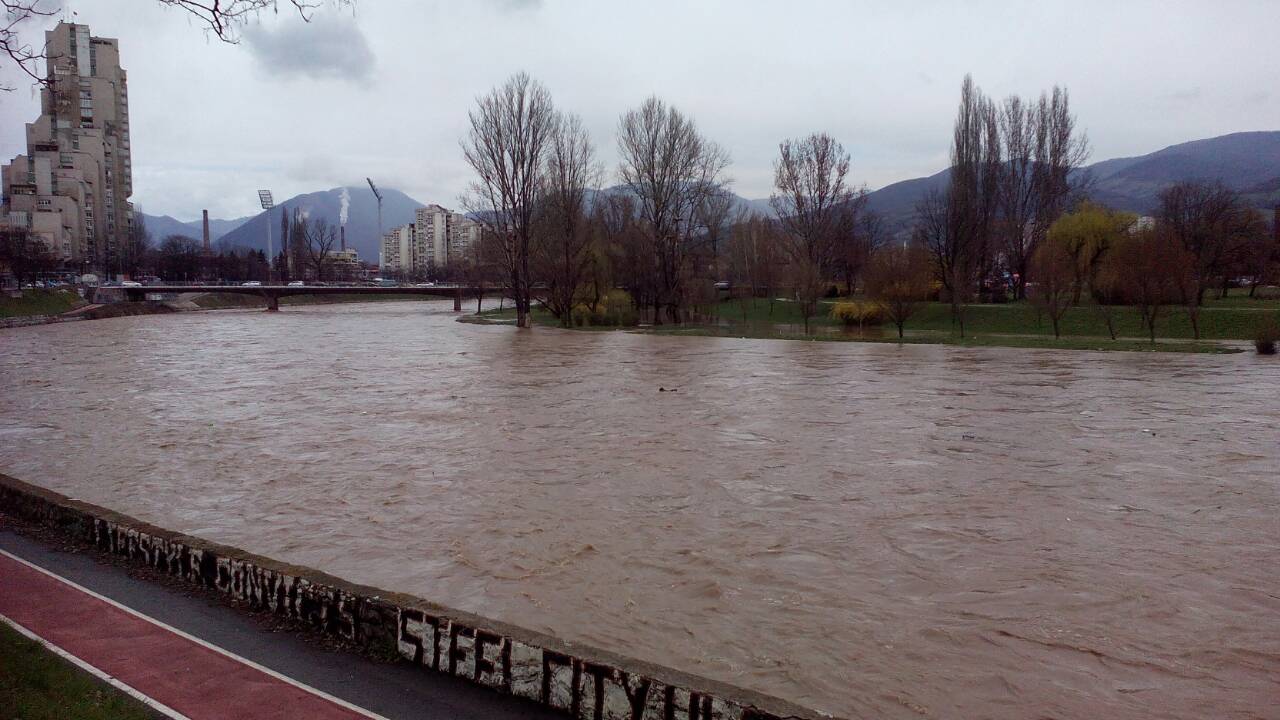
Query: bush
1268, 334
858, 313
613, 310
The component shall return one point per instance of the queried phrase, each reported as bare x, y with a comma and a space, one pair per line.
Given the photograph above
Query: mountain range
1248, 162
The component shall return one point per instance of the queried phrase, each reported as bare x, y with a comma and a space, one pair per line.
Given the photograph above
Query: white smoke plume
346, 203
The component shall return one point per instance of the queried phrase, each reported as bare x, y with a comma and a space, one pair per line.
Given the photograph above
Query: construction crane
377, 195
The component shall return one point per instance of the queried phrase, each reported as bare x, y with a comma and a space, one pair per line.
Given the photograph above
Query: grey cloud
517, 5
328, 47
1185, 96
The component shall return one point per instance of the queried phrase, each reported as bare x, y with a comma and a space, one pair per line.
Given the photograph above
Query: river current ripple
870, 530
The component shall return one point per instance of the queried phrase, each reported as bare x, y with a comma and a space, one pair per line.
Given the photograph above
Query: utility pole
264, 197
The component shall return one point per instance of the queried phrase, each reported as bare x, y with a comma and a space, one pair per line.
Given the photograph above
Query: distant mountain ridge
162, 226
1248, 162
362, 218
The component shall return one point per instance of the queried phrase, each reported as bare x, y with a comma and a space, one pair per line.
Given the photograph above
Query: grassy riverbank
39, 302
35, 684
1233, 319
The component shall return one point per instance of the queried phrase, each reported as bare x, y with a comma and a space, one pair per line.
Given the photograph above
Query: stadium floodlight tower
377, 195
264, 197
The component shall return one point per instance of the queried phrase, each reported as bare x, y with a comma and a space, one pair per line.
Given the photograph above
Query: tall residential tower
71, 189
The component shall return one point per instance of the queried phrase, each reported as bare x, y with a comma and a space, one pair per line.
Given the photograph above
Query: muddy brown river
871, 530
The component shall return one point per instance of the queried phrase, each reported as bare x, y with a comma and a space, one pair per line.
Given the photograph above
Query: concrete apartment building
431, 238
396, 255
436, 239
71, 189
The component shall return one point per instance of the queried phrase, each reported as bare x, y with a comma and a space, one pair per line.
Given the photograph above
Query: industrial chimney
206, 232
342, 233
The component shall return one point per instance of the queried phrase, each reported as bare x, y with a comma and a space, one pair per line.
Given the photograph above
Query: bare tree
1209, 221
815, 208
481, 267
318, 239
626, 246
672, 170
1144, 269
898, 278
23, 54
564, 238
855, 249
1259, 253
755, 260
713, 217
137, 245
24, 255
178, 258
1052, 269
511, 129
955, 226
1041, 150
222, 18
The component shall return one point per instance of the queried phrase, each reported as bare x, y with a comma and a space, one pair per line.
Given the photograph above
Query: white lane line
110, 680
284, 678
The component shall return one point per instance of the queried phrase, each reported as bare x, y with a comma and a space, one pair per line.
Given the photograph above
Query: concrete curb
583, 681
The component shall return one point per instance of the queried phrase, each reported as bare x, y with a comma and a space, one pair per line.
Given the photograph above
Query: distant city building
431, 238
464, 232
71, 189
343, 264
435, 240
397, 250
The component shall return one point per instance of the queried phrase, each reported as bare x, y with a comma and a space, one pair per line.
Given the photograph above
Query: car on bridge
297, 283
251, 283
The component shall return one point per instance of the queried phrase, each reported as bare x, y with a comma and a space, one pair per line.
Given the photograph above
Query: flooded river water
871, 530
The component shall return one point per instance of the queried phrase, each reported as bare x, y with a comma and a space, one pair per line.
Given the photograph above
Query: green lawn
1006, 325
35, 684
1233, 318
39, 302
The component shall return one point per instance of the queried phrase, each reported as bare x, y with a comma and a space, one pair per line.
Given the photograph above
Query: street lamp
264, 197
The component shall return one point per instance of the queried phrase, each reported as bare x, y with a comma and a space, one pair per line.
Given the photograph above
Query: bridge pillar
457, 299
273, 302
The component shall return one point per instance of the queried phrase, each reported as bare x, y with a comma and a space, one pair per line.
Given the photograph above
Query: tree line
1013, 222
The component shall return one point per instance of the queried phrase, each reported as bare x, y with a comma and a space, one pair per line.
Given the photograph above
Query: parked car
424, 284
297, 283
251, 283
130, 283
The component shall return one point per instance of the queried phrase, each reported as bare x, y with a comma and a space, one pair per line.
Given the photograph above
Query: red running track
154, 660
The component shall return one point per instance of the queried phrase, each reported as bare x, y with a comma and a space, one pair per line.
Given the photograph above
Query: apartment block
71, 189
396, 255
435, 240
431, 238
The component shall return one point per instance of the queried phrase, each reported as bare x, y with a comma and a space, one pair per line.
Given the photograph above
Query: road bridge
273, 293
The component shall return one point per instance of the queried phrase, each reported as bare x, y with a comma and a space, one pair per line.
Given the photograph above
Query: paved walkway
190, 659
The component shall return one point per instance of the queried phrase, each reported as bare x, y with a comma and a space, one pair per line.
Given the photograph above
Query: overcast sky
384, 91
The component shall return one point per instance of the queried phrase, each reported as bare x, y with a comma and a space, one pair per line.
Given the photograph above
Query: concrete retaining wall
582, 681
27, 320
